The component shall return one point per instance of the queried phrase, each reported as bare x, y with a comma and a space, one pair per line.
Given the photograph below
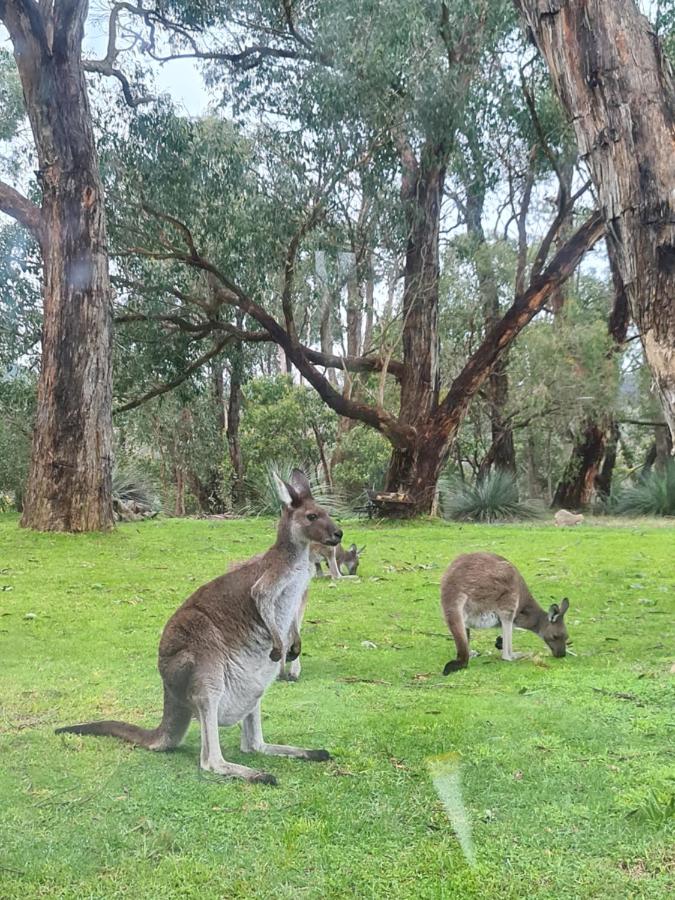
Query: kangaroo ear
554, 612
352, 548
361, 550
285, 492
564, 606
300, 484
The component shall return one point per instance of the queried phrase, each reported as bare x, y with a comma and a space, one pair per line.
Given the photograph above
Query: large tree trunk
420, 382
415, 468
69, 485
579, 480
610, 74
502, 454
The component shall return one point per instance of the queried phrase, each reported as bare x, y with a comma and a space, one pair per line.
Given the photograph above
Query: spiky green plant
264, 500
491, 499
131, 484
652, 495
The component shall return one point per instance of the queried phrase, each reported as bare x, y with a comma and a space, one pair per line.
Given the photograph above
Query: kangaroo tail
168, 734
144, 737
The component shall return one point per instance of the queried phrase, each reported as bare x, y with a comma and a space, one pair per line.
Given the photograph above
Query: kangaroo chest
250, 671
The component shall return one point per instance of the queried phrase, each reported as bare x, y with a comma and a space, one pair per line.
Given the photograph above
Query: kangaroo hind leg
211, 758
454, 616
252, 741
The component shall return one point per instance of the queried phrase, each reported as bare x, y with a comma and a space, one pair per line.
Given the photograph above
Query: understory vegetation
564, 766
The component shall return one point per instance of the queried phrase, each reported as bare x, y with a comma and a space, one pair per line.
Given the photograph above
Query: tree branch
523, 309
26, 213
174, 383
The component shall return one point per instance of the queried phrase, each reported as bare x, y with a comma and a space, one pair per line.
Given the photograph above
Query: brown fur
483, 589
221, 648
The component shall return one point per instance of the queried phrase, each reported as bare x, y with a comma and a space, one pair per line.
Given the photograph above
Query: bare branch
26, 213
100, 67
174, 383
519, 314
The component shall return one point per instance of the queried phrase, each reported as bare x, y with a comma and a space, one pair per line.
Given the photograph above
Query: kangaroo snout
337, 537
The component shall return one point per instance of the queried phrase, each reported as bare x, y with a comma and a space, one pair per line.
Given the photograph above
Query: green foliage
96, 818
491, 499
652, 495
280, 423
17, 411
264, 499
11, 97
362, 461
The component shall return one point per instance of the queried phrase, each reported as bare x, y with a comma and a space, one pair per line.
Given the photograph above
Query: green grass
566, 766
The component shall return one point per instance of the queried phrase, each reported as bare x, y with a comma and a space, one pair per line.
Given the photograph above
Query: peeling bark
617, 88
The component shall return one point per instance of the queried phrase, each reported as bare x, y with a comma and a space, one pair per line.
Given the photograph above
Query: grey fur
480, 590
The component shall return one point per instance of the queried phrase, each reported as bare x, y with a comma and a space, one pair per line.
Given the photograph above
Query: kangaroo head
554, 631
351, 559
308, 522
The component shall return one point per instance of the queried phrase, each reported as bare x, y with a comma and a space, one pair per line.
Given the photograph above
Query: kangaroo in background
337, 558
222, 648
481, 590
565, 517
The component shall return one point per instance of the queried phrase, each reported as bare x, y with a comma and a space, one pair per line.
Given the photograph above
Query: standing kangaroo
482, 590
222, 648
336, 558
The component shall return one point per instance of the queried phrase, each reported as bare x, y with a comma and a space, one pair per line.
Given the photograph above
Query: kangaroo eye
312, 516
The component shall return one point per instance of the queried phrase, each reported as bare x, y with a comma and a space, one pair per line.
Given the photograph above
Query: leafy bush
493, 498
279, 425
652, 495
363, 460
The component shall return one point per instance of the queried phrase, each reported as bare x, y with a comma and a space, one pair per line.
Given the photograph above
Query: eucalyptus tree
69, 481
608, 68
375, 96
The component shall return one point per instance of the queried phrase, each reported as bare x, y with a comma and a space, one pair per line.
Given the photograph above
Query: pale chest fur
249, 672
292, 586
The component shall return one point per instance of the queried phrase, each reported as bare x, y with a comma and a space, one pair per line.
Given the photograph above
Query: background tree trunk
617, 88
578, 483
69, 483
233, 422
420, 383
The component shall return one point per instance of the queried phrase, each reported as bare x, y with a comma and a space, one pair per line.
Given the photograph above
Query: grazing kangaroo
481, 590
337, 558
565, 517
222, 648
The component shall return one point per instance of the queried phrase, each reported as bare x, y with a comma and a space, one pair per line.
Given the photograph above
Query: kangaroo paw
293, 651
276, 654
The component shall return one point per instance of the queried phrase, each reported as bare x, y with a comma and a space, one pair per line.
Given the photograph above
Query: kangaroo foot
231, 770
455, 665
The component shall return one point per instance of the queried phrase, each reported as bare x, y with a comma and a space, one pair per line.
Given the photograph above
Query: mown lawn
566, 766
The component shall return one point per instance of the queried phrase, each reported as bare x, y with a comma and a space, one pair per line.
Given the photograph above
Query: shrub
132, 485
652, 495
493, 498
264, 500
